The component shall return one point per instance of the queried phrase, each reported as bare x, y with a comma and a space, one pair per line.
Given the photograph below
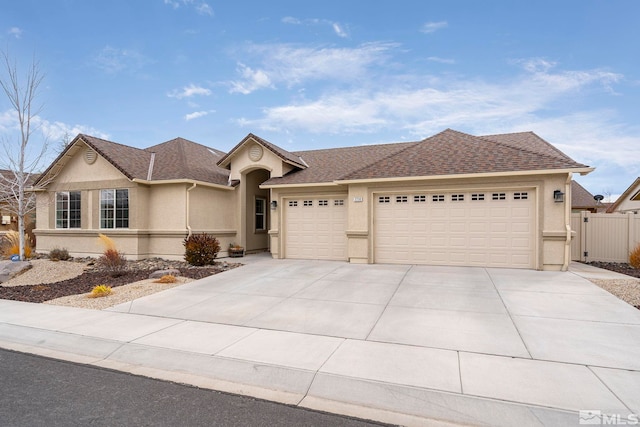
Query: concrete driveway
396, 343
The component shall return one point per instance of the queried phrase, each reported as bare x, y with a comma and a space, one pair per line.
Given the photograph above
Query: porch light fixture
274, 205
558, 196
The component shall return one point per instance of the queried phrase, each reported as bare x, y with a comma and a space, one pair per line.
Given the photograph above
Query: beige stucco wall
157, 213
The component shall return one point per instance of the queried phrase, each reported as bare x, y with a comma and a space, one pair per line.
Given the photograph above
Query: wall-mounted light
274, 205
558, 196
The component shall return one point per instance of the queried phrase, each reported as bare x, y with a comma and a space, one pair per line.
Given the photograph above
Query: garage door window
384, 199
338, 202
477, 197
457, 197
307, 203
520, 196
402, 199
293, 203
420, 199
437, 198
499, 196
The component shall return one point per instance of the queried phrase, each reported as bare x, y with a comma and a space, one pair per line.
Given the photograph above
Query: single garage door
479, 228
315, 228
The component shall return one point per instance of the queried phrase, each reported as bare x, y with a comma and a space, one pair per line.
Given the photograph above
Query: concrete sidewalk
413, 345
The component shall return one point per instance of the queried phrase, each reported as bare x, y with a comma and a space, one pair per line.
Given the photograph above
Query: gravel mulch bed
618, 267
134, 271
627, 290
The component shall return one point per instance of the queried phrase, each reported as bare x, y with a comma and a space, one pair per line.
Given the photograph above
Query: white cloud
251, 80
441, 60
201, 7
15, 32
292, 65
114, 60
432, 27
197, 114
189, 91
291, 20
429, 105
339, 29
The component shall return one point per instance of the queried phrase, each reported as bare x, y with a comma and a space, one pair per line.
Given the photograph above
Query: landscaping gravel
37, 284
627, 290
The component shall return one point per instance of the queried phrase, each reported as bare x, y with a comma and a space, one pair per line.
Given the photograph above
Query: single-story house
629, 201
450, 199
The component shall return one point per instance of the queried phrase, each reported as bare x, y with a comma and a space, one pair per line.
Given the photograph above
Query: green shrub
201, 249
59, 254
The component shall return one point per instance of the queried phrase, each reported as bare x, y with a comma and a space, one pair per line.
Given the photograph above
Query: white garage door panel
494, 229
315, 228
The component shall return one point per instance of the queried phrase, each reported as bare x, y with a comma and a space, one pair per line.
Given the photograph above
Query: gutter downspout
567, 220
188, 225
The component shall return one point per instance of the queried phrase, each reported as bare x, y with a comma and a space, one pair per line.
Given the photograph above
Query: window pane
62, 205
106, 208
122, 208
260, 223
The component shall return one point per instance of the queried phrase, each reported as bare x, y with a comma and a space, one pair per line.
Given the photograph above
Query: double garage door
476, 228
480, 228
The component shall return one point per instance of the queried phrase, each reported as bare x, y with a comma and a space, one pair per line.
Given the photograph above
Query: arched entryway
256, 210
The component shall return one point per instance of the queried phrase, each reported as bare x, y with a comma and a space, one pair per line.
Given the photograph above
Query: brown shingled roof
581, 198
132, 162
174, 159
447, 153
183, 159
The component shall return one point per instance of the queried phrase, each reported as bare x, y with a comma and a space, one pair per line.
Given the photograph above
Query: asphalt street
37, 391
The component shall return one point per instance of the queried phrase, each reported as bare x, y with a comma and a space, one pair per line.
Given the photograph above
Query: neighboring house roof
581, 198
631, 193
174, 159
447, 153
285, 155
7, 176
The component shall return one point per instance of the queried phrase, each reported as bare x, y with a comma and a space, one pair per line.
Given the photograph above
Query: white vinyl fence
604, 237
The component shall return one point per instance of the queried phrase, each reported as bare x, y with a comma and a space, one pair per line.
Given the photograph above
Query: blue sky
308, 75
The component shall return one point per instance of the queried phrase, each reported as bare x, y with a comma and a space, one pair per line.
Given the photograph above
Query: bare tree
20, 162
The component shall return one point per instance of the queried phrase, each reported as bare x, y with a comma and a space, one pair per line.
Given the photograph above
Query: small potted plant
235, 251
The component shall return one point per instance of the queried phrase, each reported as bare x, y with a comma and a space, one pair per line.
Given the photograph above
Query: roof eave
183, 181
581, 171
301, 185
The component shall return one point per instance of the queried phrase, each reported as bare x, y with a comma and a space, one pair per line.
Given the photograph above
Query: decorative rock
159, 273
10, 269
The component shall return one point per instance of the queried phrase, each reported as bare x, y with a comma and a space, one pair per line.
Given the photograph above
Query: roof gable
172, 160
285, 155
631, 193
130, 161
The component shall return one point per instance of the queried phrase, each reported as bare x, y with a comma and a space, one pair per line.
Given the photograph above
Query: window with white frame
260, 214
114, 208
68, 209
